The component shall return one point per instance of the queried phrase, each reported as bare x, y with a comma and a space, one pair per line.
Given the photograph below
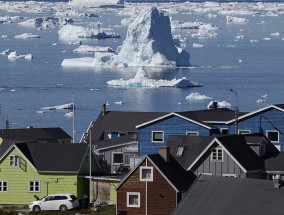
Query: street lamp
236, 111
7, 119
90, 165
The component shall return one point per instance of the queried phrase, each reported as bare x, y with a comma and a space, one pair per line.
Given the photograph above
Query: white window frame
229, 175
217, 157
192, 133
128, 194
222, 129
14, 160
146, 168
3, 188
127, 157
179, 151
33, 186
245, 131
158, 141
272, 141
113, 153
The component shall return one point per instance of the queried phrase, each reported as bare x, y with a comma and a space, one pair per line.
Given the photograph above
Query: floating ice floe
9, 19
14, 56
260, 100
45, 22
222, 104
197, 97
68, 106
236, 20
197, 45
71, 32
26, 36
5, 52
87, 48
141, 79
276, 34
68, 115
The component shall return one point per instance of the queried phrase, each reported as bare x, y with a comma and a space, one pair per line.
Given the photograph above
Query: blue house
268, 120
154, 134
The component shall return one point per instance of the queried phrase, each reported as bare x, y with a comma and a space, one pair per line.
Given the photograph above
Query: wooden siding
161, 197
18, 182
252, 123
218, 168
172, 125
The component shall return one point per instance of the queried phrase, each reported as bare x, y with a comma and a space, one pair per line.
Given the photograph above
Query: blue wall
252, 123
170, 125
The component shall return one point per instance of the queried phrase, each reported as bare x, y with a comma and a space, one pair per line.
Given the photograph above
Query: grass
107, 210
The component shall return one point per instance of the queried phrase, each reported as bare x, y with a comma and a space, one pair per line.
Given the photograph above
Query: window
127, 159
146, 173
34, 186
117, 158
3, 186
14, 160
224, 131
192, 133
179, 151
244, 131
230, 175
216, 154
133, 199
157, 136
273, 136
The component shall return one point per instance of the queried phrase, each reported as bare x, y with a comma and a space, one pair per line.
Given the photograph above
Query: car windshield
73, 197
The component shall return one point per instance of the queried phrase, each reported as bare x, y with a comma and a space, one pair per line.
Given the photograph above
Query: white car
60, 202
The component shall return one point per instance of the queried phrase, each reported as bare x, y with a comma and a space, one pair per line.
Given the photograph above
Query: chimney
165, 153
215, 105
104, 109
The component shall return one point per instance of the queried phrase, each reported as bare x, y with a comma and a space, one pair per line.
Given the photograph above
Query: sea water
252, 67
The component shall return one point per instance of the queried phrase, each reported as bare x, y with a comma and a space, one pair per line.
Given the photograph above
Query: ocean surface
250, 64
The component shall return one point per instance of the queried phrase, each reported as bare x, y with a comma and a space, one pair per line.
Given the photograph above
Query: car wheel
36, 208
63, 208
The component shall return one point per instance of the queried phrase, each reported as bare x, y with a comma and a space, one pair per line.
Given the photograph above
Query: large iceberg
149, 42
141, 79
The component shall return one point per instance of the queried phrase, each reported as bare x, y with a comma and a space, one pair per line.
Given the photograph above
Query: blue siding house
268, 120
154, 134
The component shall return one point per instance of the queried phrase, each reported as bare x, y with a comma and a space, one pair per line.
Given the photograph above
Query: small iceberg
26, 36
68, 106
14, 56
5, 52
87, 48
141, 79
236, 20
71, 32
197, 97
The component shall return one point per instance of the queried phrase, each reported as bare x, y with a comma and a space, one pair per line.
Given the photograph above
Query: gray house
222, 155
213, 195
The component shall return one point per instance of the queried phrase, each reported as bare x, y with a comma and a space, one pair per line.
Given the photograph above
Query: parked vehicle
122, 170
61, 202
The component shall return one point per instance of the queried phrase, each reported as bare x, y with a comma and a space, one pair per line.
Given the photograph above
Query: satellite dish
1, 141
